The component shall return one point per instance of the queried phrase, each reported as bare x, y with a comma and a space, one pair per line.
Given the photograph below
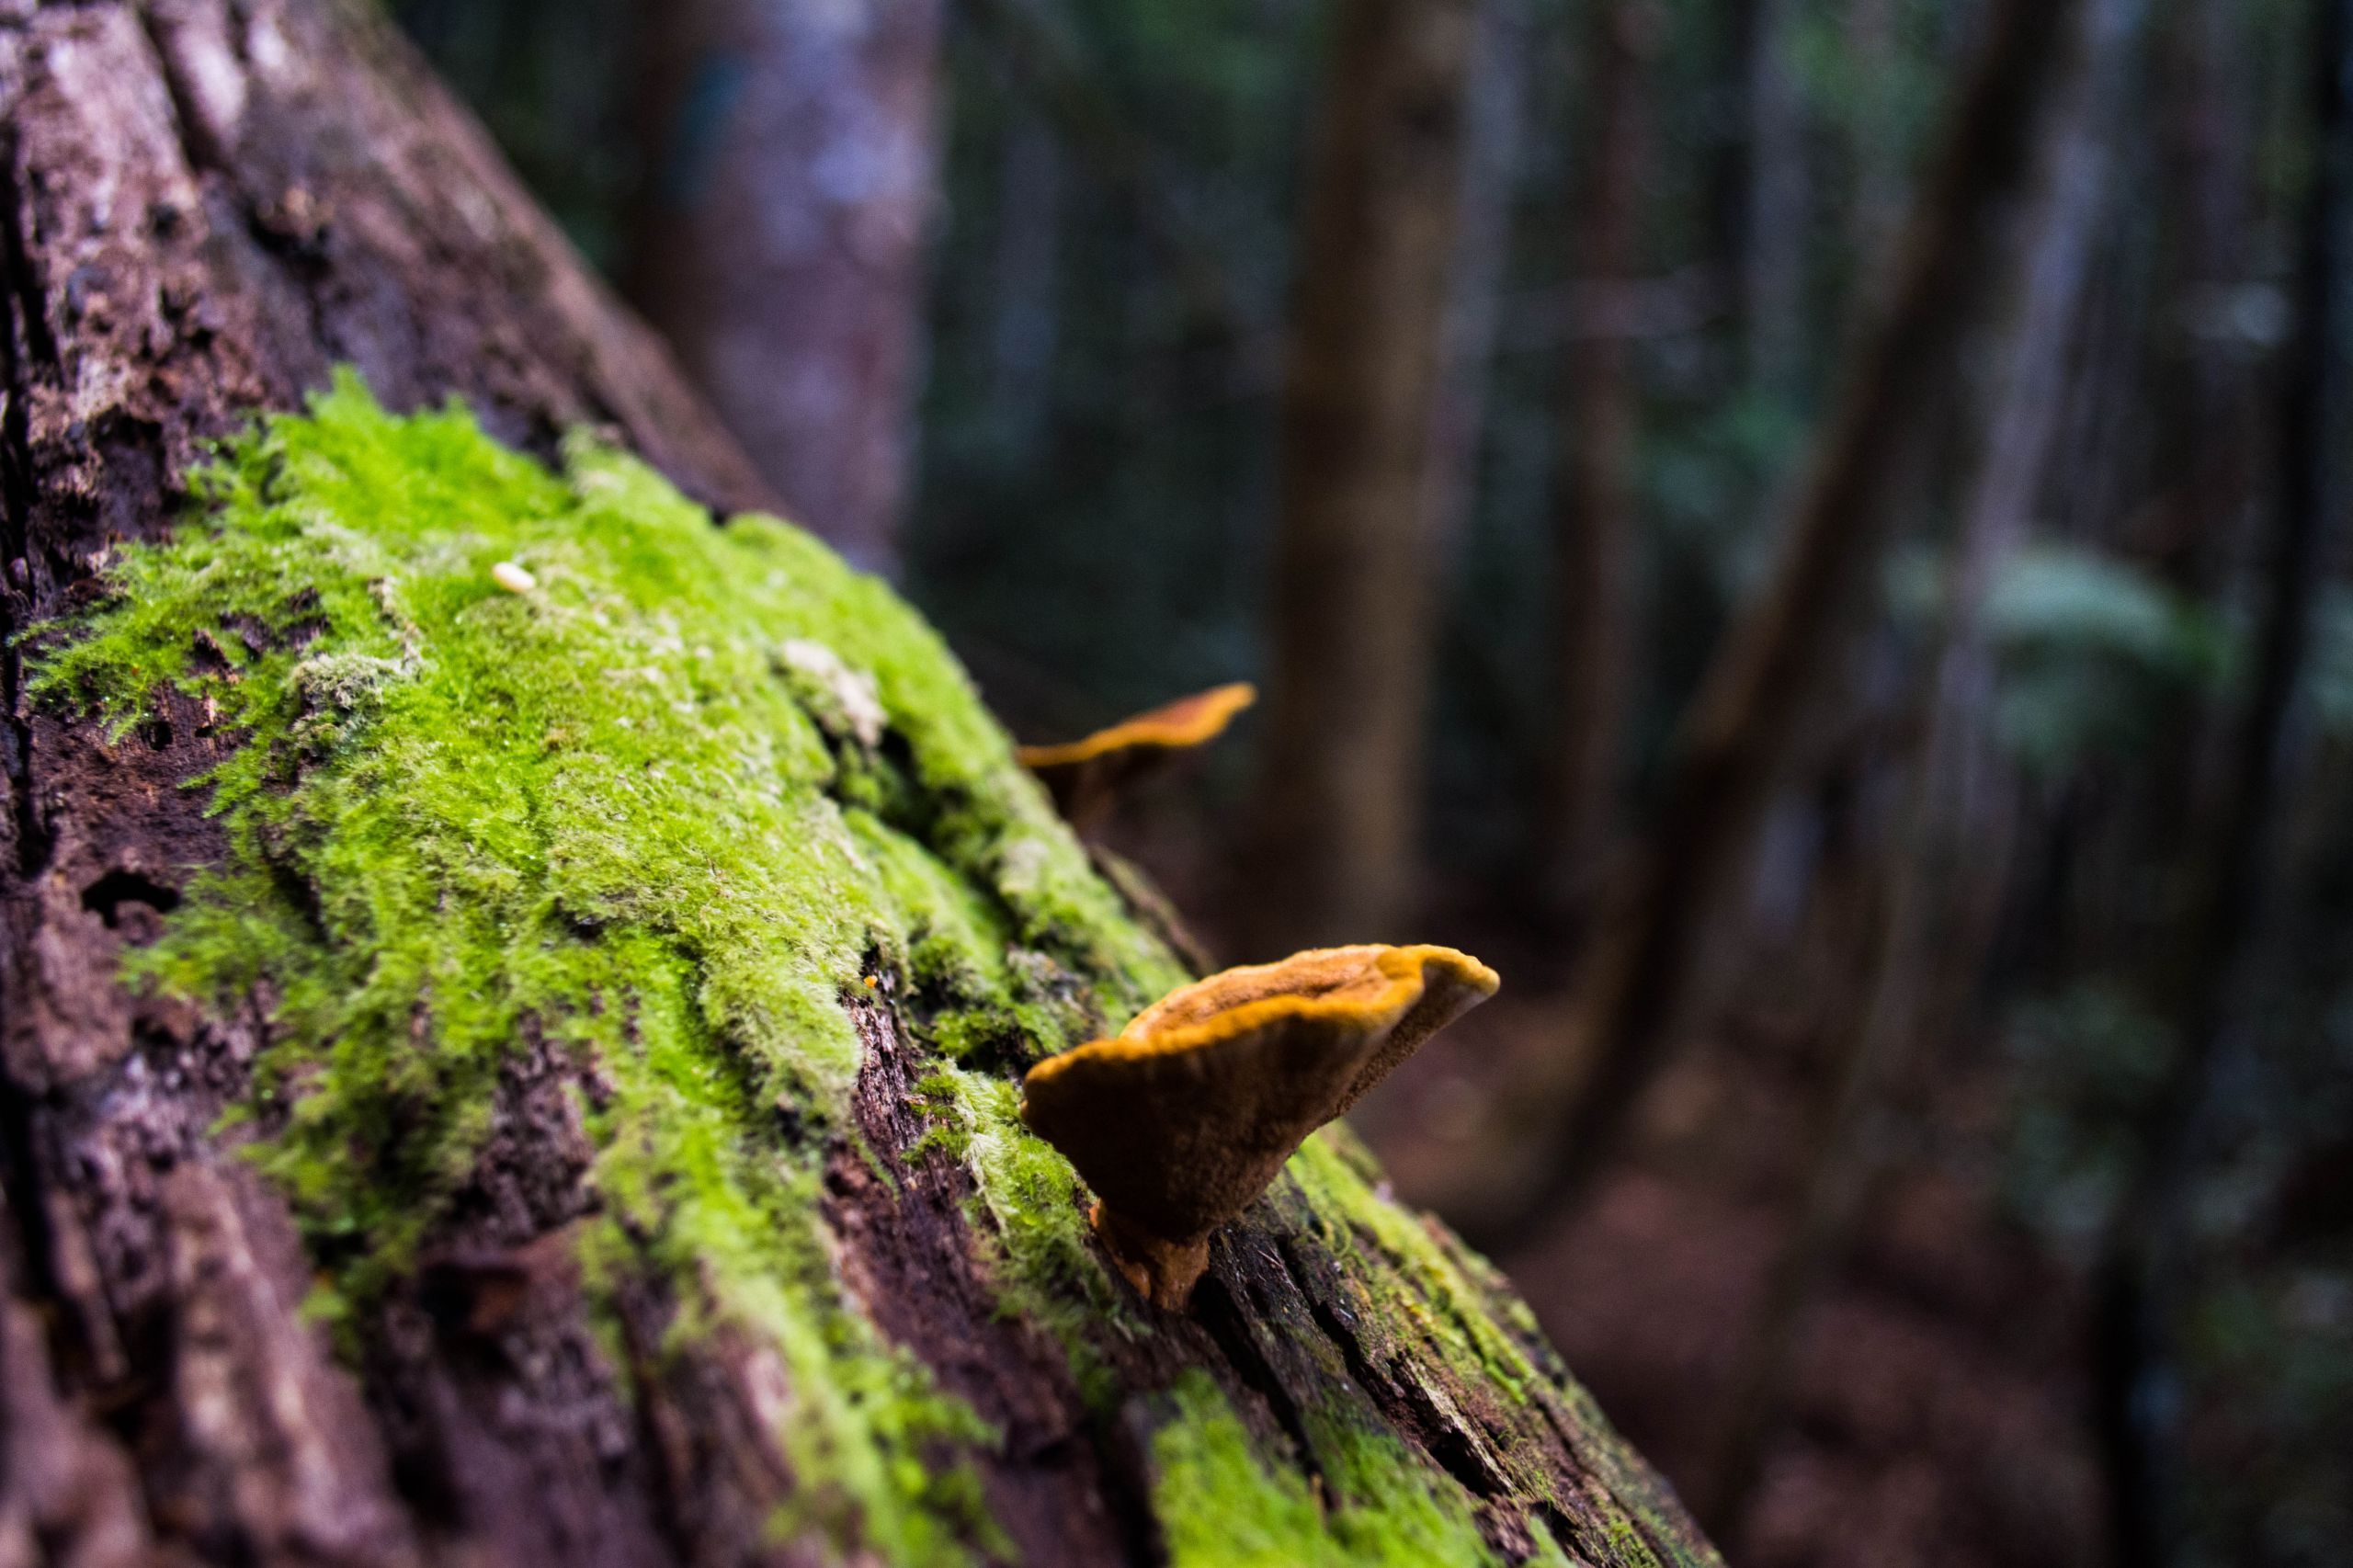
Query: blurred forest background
1808, 532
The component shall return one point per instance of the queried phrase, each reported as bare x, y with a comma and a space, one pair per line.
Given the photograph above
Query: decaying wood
204, 206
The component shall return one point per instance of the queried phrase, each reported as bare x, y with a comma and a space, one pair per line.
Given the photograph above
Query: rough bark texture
205, 205
1352, 592
781, 248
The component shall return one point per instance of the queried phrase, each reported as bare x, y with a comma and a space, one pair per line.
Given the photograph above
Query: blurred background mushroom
1811, 531
1087, 777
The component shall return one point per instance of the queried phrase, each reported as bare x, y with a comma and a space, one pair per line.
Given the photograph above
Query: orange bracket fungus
1085, 776
1184, 1117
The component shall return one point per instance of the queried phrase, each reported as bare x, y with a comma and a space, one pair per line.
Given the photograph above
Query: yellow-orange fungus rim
1402, 966
1187, 721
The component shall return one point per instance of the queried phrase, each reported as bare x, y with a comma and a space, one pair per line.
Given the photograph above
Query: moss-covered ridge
643, 807
669, 796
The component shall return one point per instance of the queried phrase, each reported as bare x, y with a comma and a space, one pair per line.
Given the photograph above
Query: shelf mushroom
1086, 777
1181, 1120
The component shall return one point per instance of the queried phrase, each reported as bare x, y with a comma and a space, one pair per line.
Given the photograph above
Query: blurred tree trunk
206, 205
1354, 568
2204, 405
1776, 226
2060, 236
1593, 532
780, 244
1879, 152
1497, 100
1028, 285
2205, 447
2205, 977
1784, 652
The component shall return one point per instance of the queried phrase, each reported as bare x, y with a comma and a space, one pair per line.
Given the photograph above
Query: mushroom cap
1176, 726
1182, 1119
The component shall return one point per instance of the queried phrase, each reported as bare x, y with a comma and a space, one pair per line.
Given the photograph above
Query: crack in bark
20, 1188
26, 337
198, 143
1219, 1310
1405, 1405
23, 290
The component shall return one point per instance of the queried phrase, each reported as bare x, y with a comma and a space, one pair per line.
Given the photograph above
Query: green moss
1222, 1507
1627, 1546
676, 809
611, 810
1423, 1288
935, 1095
1033, 1208
1549, 1552
1446, 1306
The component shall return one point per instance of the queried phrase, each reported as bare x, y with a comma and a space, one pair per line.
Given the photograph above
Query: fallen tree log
512, 996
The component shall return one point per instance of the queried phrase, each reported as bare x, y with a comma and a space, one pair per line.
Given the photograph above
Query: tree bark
1352, 606
781, 243
1782, 653
206, 205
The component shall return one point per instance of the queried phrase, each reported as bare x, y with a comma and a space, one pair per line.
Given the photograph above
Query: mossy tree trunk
518, 1065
